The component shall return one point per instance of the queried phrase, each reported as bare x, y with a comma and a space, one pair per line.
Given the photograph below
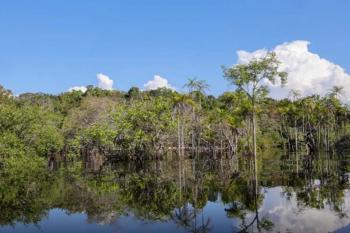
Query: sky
57, 45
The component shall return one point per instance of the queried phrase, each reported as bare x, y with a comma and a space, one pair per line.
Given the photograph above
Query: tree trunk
183, 136
254, 149
296, 135
179, 135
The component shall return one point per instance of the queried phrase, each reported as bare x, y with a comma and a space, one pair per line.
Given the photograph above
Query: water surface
294, 194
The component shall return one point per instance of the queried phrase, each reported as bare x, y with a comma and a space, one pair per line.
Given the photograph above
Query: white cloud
307, 71
77, 88
157, 82
104, 82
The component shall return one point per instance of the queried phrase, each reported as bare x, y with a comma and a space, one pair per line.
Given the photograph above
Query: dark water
293, 195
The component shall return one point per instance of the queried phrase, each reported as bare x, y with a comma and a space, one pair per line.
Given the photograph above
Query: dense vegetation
139, 125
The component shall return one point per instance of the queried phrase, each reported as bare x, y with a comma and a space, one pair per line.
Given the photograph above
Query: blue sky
50, 46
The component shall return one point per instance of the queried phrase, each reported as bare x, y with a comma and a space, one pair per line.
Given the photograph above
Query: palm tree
197, 86
336, 91
194, 84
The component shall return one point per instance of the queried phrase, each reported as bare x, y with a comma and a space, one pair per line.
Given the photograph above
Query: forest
142, 125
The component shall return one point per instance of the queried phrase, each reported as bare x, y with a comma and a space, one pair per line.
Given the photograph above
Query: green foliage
11, 145
29, 130
5, 94
144, 125
46, 141
147, 124
249, 77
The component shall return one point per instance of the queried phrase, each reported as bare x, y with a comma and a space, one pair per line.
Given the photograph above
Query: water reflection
293, 194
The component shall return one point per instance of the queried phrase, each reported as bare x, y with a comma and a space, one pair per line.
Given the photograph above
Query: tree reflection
170, 191
183, 216
245, 200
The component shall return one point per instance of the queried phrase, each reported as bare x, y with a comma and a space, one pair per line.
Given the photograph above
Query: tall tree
251, 79
197, 90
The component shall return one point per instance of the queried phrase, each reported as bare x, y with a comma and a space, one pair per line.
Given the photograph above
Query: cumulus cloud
307, 72
157, 82
104, 82
77, 88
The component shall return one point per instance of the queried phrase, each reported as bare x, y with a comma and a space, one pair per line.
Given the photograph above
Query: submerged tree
196, 89
251, 79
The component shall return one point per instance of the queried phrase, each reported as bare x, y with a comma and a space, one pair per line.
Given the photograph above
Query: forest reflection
183, 192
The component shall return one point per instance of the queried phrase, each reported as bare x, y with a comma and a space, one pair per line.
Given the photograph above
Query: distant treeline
139, 125
146, 124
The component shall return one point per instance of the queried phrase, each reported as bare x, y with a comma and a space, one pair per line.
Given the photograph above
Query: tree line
140, 125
